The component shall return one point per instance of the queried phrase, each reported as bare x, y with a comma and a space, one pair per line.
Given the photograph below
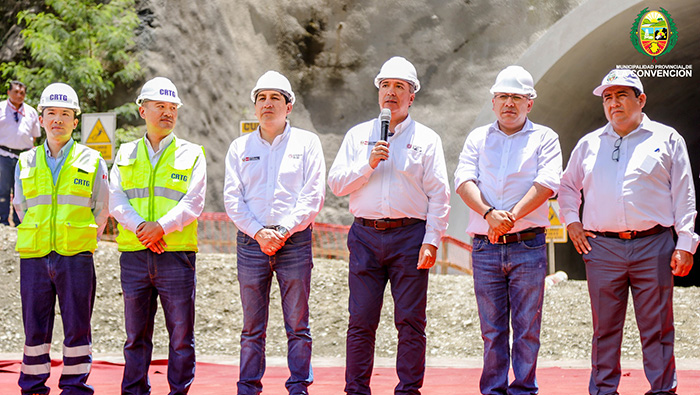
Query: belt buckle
385, 224
502, 239
627, 235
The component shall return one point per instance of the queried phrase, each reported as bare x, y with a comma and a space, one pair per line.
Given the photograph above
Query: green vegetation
88, 44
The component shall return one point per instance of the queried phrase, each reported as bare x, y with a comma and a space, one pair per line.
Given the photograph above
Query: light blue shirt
55, 164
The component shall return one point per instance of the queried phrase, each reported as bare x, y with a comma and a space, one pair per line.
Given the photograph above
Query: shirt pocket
650, 163
291, 172
411, 162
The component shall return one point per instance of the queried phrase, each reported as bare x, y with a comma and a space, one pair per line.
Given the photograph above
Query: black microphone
385, 118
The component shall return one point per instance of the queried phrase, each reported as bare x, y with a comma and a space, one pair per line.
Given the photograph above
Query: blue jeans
72, 279
145, 275
7, 185
378, 256
509, 284
292, 264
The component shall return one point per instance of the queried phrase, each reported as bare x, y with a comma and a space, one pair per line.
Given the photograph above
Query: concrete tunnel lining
572, 57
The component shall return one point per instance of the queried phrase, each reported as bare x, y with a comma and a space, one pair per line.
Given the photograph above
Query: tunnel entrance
566, 104
571, 59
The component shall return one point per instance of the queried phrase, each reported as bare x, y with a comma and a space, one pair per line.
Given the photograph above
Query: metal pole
552, 266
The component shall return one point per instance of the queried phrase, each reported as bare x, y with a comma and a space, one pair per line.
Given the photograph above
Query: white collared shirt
187, 210
412, 183
20, 134
505, 167
282, 183
651, 183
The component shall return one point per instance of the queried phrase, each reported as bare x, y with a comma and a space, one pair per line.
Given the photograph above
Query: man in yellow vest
61, 196
157, 187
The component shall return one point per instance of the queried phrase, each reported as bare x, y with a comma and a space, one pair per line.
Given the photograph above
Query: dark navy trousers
145, 276
378, 256
72, 279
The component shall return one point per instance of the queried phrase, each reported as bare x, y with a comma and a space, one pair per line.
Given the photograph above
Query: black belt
387, 223
12, 150
525, 235
632, 234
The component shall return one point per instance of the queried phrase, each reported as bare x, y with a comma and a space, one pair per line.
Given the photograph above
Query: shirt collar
277, 139
62, 152
527, 127
610, 131
163, 143
12, 106
403, 125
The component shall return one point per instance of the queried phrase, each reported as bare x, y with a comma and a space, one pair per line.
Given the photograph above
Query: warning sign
557, 231
248, 126
98, 133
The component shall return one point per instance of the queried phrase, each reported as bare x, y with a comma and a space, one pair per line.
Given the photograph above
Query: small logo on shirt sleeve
295, 156
250, 158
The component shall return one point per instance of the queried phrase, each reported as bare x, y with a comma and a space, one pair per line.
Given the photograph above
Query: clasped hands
500, 222
150, 234
270, 240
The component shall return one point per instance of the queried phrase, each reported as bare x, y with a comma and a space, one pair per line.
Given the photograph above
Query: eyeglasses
16, 117
503, 97
616, 151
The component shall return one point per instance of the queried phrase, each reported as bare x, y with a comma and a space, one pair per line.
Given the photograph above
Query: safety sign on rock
98, 133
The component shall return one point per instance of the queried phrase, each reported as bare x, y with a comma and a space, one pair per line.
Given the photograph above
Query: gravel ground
453, 322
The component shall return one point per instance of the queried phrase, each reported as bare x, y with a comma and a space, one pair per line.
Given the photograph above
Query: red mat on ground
221, 379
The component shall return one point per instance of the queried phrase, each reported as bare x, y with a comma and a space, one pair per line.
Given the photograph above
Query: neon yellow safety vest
153, 191
59, 217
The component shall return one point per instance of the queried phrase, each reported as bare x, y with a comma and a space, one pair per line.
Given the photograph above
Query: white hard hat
159, 89
275, 81
61, 95
620, 77
514, 79
398, 68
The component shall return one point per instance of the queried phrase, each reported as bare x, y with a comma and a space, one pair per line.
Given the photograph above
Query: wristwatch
282, 230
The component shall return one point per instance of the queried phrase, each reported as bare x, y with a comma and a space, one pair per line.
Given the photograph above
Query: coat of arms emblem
654, 33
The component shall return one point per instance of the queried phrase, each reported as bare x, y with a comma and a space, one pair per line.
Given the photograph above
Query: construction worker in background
19, 126
61, 195
637, 183
274, 187
399, 195
506, 173
157, 187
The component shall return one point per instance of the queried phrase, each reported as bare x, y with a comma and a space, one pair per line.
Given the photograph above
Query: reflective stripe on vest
153, 191
59, 217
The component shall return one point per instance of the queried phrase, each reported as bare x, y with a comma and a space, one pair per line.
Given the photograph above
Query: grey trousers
643, 265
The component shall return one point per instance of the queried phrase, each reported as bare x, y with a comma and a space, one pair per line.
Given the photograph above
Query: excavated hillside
214, 51
331, 50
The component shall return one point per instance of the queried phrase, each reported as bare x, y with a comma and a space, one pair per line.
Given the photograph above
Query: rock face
214, 51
